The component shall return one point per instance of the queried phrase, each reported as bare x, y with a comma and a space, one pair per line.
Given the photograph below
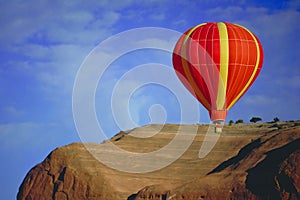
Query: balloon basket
218, 126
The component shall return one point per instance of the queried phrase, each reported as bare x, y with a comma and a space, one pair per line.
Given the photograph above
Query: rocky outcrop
277, 176
266, 168
60, 177
254, 161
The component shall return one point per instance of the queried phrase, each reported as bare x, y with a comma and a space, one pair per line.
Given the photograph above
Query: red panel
198, 57
214, 68
177, 61
241, 71
235, 53
204, 47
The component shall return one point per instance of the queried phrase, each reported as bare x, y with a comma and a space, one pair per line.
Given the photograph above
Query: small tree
276, 119
255, 119
230, 122
239, 121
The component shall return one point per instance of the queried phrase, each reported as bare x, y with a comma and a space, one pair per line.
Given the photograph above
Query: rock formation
250, 161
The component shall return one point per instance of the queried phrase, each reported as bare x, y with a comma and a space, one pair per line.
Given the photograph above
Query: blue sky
43, 43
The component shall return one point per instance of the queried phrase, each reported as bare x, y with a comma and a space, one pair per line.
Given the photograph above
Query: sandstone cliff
266, 168
254, 161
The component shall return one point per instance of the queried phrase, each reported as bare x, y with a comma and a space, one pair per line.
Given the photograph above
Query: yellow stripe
188, 72
224, 58
253, 74
191, 31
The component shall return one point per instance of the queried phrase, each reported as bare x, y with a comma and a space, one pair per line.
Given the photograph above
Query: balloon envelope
218, 62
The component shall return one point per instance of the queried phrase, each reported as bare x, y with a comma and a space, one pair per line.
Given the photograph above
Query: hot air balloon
218, 62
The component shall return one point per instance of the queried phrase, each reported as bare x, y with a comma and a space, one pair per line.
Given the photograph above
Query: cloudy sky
44, 43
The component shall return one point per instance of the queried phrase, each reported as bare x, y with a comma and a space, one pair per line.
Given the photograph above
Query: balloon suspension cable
218, 126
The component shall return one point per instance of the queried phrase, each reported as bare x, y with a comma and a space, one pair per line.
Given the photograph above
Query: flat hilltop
252, 161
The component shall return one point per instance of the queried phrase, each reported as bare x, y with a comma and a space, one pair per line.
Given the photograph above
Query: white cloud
293, 4
158, 16
80, 17
259, 20
289, 82
181, 22
16, 134
228, 13
61, 22
107, 19
279, 23
162, 43
53, 38
259, 100
12, 111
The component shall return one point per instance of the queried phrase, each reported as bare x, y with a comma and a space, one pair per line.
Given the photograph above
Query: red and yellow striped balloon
217, 63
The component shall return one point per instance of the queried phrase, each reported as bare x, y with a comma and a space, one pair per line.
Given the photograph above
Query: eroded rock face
288, 178
60, 176
266, 168
248, 162
277, 176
